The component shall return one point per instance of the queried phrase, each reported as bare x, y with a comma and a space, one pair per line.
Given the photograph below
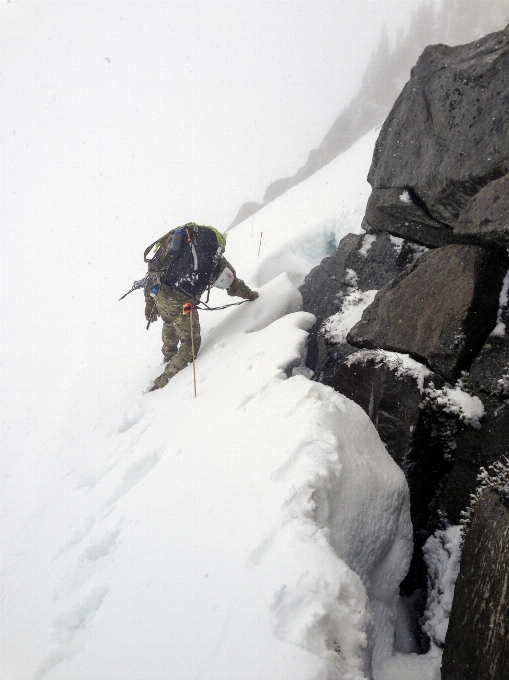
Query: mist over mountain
452, 22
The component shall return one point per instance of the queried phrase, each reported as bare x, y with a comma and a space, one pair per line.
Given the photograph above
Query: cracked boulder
486, 218
440, 310
446, 138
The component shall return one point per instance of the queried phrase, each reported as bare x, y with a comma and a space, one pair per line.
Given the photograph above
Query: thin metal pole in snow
188, 309
260, 246
192, 349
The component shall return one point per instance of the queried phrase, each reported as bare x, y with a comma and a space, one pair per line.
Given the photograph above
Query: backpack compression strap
193, 250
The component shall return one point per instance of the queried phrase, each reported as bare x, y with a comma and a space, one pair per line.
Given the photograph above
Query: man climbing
183, 268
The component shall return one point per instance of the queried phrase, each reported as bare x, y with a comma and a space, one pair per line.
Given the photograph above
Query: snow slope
259, 530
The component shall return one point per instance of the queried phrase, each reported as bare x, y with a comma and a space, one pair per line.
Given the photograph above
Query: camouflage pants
177, 342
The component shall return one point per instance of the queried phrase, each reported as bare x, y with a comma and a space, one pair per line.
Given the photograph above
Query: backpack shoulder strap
155, 246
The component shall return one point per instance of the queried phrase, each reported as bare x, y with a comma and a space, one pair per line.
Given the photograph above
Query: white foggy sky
156, 113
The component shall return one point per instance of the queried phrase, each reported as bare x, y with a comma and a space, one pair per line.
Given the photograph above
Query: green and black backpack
187, 258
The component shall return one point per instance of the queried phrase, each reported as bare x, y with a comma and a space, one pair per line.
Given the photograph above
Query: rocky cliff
413, 315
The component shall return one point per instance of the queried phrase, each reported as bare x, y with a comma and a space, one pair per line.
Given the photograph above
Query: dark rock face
323, 288
440, 310
486, 218
446, 138
365, 262
379, 258
473, 449
440, 178
490, 369
394, 210
477, 641
390, 396
426, 465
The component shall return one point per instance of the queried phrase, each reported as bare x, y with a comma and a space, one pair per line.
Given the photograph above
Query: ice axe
188, 309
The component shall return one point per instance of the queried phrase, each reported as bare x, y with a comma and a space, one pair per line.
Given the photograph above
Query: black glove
253, 295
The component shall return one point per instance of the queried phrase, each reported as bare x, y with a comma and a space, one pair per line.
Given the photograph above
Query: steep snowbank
259, 530
297, 230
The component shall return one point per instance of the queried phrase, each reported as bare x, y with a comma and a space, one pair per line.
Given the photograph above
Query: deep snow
260, 530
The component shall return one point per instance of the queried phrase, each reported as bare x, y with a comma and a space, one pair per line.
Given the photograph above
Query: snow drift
260, 530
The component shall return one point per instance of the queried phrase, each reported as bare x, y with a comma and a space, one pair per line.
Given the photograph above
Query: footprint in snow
133, 475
